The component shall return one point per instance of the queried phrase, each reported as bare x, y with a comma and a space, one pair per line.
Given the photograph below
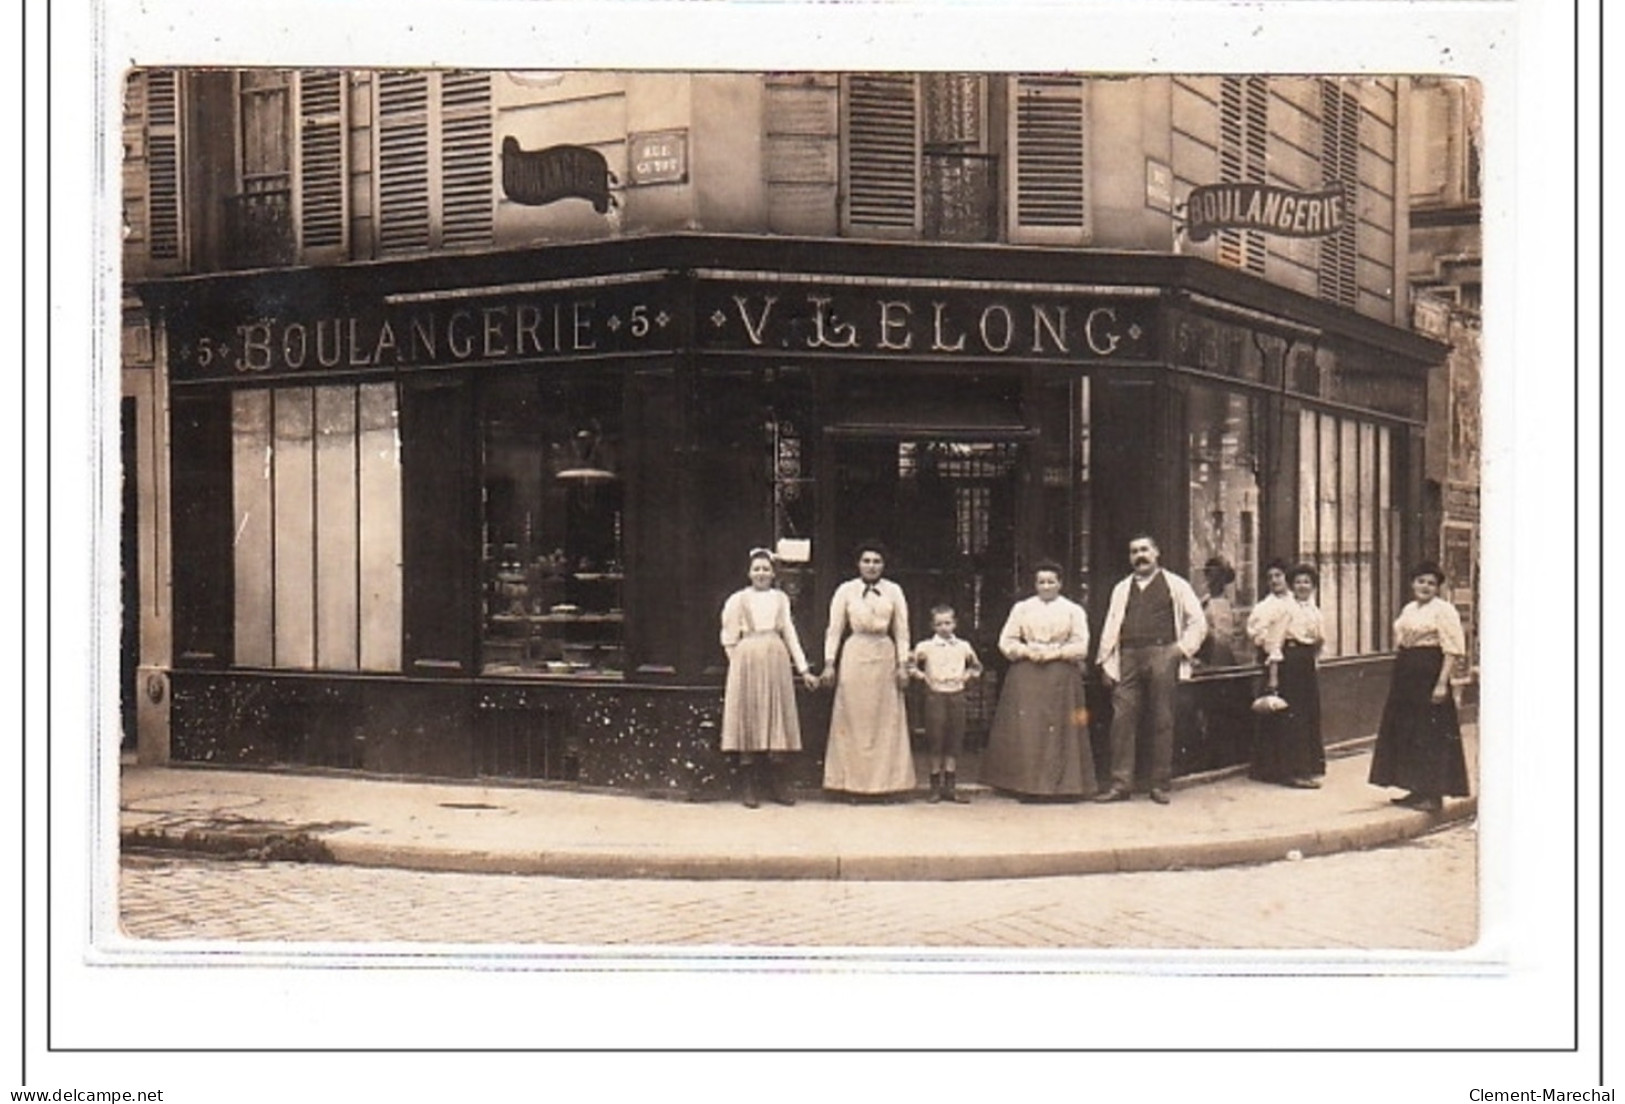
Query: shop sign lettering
658, 158
1263, 207
943, 325
626, 319
428, 335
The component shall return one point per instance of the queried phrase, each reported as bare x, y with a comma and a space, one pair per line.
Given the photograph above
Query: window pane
251, 506
265, 137
1348, 497
336, 529
1370, 602
1389, 585
1309, 490
1224, 516
378, 479
1326, 550
292, 468
552, 528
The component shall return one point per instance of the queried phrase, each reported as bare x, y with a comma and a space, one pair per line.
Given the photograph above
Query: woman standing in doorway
866, 659
1419, 743
759, 721
1039, 746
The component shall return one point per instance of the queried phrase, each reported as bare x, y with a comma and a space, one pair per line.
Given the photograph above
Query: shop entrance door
946, 511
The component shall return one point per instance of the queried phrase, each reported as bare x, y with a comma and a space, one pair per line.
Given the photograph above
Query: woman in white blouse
759, 721
1288, 630
1419, 742
1039, 746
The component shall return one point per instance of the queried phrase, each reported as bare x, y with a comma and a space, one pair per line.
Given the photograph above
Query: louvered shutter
1255, 154
163, 165
1243, 156
466, 169
403, 161
882, 154
1049, 194
135, 162
322, 219
1340, 166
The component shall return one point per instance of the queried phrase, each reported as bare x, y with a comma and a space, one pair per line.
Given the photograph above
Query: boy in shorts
945, 664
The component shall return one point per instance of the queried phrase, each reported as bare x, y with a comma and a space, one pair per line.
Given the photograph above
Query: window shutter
882, 153
1050, 198
1255, 153
163, 165
135, 161
403, 161
1340, 166
1243, 156
321, 162
466, 159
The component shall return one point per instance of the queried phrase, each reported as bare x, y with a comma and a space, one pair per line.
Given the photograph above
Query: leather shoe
1113, 794
1160, 796
1304, 783
1408, 800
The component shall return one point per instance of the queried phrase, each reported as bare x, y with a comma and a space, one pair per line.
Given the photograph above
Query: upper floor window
435, 162
289, 202
964, 157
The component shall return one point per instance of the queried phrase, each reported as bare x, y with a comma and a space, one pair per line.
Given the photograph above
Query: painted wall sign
539, 177
952, 323
1159, 185
1263, 207
374, 337
660, 157
616, 317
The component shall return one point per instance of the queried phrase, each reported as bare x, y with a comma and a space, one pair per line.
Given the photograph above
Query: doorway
946, 510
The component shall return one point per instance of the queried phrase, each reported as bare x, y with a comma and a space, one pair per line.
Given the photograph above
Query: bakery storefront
475, 516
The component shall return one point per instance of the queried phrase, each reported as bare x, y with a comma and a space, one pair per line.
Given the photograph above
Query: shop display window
553, 567
1224, 513
1348, 528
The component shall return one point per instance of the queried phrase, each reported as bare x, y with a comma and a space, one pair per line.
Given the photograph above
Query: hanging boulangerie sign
538, 177
1265, 208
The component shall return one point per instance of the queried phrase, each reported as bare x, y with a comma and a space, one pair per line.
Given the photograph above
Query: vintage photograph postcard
636, 519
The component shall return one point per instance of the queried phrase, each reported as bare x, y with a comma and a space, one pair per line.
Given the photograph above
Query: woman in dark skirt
1419, 743
1039, 746
1289, 631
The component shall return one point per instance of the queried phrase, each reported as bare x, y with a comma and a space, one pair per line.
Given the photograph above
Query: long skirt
759, 704
1287, 745
868, 728
1419, 743
1040, 739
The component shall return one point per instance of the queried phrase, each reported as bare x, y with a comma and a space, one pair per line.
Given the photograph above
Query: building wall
765, 155
1445, 271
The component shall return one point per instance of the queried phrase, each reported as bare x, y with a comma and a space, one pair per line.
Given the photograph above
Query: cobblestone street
1417, 895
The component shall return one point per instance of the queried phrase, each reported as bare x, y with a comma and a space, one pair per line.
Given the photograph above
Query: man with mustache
1154, 626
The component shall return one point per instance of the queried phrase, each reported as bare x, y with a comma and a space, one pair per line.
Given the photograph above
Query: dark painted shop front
475, 517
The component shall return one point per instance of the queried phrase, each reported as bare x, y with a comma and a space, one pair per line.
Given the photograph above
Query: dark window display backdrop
553, 567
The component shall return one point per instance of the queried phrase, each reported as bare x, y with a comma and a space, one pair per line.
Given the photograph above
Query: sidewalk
472, 827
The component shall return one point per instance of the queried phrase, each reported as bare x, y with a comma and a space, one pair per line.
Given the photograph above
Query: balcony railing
259, 228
